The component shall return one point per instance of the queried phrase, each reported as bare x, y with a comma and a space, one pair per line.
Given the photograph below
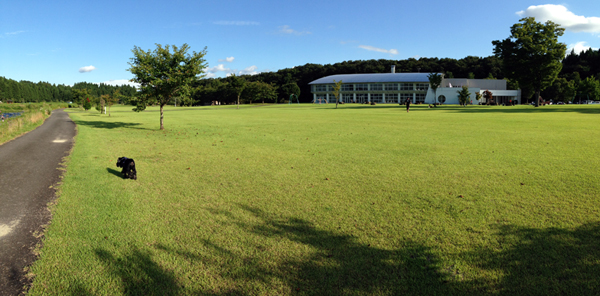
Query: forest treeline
579, 78
29, 92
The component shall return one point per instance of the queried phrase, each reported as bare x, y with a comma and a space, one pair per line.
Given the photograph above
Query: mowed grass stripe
363, 200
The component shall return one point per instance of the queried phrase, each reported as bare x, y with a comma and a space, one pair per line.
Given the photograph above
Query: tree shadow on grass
527, 261
341, 265
139, 274
110, 125
549, 261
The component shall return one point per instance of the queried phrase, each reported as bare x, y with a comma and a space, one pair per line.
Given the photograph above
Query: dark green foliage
464, 95
289, 89
26, 91
532, 54
259, 91
590, 87
87, 104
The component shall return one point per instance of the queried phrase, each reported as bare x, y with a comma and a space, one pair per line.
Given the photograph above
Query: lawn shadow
114, 172
341, 265
548, 261
110, 125
139, 274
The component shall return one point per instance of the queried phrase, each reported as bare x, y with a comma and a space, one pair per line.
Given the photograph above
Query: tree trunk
537, 98
162, 127
336, 102
238, 102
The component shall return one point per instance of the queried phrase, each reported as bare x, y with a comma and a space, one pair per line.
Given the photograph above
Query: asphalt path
29, 169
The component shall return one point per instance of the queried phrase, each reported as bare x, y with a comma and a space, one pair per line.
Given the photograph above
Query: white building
396, 88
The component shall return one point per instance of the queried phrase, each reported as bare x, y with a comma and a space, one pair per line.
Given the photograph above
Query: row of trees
26, 91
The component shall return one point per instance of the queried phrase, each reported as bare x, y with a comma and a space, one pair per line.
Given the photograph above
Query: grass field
309, 200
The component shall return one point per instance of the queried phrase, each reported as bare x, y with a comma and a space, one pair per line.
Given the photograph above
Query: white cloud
371, 48
287, 30
561, 15
212, 72
249, 71
579, 47
119, 82
229, 59
218, 68
85, 69
14, 33
236, 23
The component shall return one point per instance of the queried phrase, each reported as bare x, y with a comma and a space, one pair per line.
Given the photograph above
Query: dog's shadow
115, 172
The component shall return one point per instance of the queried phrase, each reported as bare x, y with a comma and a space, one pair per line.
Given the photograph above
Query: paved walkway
28, 168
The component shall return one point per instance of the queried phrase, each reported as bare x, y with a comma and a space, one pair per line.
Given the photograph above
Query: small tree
111, 99
87, 105
435, 80
337, 87
101, 102
80, 95
478, 96
163, 74
238, 84
463, 95
489, 98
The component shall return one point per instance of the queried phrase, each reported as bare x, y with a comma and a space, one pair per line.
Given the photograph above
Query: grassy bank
309, 200
33, 116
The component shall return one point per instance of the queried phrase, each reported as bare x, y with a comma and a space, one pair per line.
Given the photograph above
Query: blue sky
65, 42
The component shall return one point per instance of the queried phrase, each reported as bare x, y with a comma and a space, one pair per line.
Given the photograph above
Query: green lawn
309, 200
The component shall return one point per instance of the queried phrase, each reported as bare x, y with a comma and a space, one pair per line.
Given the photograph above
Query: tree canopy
164, 75
532, 54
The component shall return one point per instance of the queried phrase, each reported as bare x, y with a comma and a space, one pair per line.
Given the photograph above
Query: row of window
374, 86
377, 98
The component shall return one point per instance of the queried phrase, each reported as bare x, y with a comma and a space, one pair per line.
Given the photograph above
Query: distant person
407, 105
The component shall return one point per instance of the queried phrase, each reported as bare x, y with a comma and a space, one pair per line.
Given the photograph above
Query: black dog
128, 166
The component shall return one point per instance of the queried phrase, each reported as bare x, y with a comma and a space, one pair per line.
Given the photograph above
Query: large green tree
164, 75
257, 90
532, 55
